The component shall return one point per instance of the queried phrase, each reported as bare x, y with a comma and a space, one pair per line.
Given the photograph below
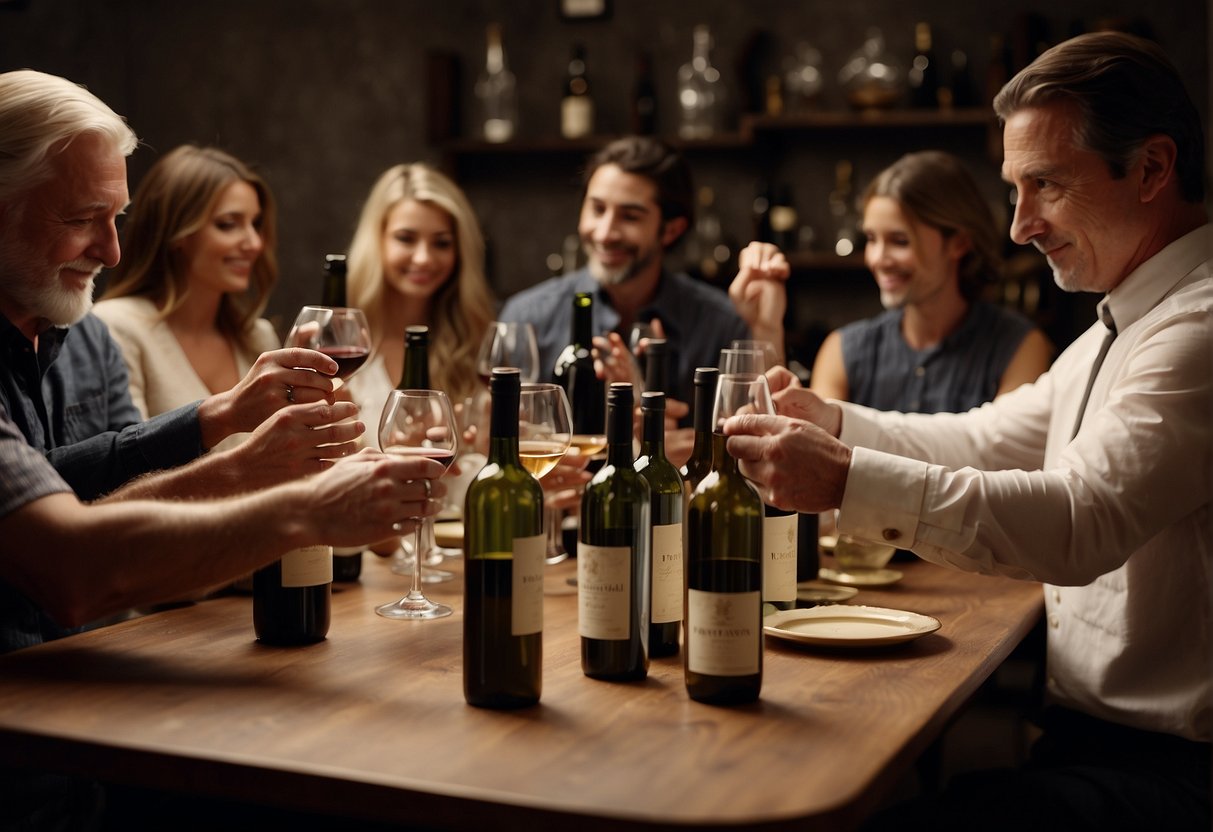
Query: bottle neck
722, 462
653, 433
503, 427
619, 435
334, 290
583, 326
416, 375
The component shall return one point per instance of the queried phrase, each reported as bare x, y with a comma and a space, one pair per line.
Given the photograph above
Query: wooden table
372, 723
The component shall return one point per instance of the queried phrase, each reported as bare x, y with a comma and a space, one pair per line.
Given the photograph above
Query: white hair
40, 115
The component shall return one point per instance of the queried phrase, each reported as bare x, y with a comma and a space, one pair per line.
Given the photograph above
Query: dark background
323, 95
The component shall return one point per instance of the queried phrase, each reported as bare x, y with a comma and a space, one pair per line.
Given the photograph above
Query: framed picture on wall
584, 9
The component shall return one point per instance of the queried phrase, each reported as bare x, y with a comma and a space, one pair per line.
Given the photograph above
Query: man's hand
297, 441
759, 292
277, 379
793, 464
796, 402
613, 361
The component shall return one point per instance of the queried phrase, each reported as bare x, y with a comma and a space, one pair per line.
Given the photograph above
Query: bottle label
604, 591
667, 573
576, 116
526, 607
309, 566
723, 632
779, 559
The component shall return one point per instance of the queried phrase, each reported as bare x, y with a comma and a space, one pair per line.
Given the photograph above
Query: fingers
321, 414
564, 477
296, 358
780, 378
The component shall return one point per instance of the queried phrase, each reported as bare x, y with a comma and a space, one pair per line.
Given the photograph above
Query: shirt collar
1164, 273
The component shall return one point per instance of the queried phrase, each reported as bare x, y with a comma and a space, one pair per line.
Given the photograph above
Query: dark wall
323, 95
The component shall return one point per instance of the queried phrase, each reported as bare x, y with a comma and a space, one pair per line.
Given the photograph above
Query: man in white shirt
1094, 480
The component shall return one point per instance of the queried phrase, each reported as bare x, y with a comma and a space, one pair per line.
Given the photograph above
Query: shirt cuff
883, 497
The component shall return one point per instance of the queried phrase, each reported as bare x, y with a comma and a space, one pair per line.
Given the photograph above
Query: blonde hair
462, 308
40, 115
934, 188
174, 200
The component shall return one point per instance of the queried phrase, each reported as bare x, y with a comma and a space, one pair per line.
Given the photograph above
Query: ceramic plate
848, 626
876, 577
820, 592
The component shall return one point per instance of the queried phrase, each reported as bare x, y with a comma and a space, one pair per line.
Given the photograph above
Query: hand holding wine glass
339, 332
418, 423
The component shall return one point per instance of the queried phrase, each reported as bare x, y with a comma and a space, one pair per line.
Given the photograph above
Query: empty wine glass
339, 332
740, 393
545, 426
769, 354
509, 344
734, 361
418, 423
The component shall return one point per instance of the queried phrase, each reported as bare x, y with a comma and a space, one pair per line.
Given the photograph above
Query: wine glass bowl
339, 332
738, 393
509, 344
544, 436
738, 360
418, 423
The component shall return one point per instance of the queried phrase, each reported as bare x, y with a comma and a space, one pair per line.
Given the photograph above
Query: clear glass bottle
847, 237
700, 90
802, 79
871, 77
496, 91
577, 105
924, 70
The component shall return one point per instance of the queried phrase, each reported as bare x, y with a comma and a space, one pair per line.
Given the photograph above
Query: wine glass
339, 332
544, 436
769, 356
734, 360
509, 344
741, 393
418, 423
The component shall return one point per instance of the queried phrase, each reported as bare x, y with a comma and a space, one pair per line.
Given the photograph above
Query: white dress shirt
1116, 521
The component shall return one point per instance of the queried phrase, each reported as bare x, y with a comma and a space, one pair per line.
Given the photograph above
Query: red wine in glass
348, 359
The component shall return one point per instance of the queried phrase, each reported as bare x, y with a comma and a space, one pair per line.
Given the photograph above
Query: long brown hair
462, 308
174, 200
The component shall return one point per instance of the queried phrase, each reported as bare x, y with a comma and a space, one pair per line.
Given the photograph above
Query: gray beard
37, 291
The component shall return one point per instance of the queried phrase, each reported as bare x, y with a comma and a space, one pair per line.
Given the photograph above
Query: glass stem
416, 590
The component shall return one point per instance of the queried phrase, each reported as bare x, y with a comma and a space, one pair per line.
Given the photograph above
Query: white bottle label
667, 573
526, 608
309, 566
576, 116
724, 632
604, 591
779, 560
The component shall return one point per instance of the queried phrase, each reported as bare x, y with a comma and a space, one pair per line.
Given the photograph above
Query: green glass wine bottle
613, 561
665, 512
503, 567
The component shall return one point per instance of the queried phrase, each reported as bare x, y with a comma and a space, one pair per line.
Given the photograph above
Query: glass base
414, 606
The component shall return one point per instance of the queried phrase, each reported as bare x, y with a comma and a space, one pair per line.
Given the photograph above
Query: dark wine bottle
292, 597
656, 366
924, 71
779, 546
347, 560
503, 568
416, 372
807, 558
574, 371
665, 513
700, 462
613, 560
723, 648
644, 97
576, 107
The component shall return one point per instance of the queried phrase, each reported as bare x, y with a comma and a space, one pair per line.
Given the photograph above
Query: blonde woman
198, 264
417, 257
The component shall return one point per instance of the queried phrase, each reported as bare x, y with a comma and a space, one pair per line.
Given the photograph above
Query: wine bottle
415, 374
347, 560
613, 560
780, 533
665, 512
503, 569
292, 598
656, 367
496, 91
644, 97
723, 647
576, 107
785, 224
700, 90
574, 371
924, 71
807, 559
760, 211
700, 462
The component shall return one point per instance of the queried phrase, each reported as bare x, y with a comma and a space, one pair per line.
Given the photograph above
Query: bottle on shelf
699, 464
415, 374
724, 566
347, 560
709, 253
644, 97
802, 80
665, 514
574, 371
760, 212
292, 600
700, 90
613, 558
785, 222
847, 237
577, 106
871, 77
962, 91
496, 92
503, 567
924, 70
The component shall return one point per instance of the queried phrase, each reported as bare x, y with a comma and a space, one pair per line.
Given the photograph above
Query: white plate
875, 577
848, 626
823, 593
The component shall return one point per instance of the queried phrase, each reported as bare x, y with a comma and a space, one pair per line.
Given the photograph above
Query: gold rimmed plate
845, 625
869, 577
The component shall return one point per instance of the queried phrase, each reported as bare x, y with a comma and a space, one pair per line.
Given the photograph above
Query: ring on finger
290, 394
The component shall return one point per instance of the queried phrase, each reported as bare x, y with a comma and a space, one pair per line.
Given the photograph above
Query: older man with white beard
62, 378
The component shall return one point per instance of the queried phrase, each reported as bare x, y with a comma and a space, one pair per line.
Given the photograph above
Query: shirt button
1056, 596
1054, 621
920, 371
891, 534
